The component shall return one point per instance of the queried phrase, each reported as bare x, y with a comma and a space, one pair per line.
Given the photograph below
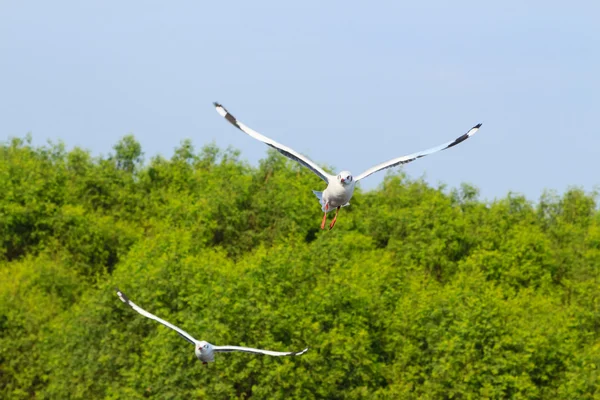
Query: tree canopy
418, 292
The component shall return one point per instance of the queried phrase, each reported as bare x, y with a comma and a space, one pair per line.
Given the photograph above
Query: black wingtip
217, 104
299, 353
478, 126
122, 296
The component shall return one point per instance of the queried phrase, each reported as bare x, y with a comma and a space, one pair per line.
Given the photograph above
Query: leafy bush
419, 292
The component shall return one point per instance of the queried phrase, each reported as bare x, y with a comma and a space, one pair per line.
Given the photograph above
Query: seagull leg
325, 216
334, 218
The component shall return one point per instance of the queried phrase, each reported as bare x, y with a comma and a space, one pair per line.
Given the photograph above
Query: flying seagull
204, 350
341, 187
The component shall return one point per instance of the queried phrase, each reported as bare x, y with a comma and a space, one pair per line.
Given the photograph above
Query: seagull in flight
341, 187
204, 350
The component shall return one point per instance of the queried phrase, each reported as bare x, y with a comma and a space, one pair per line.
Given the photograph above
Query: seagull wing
145, 313
258, 351
286, 151
414, 156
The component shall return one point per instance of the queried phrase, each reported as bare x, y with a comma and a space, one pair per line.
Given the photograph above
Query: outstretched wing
286, 151
414, 156
259, 351
145, 313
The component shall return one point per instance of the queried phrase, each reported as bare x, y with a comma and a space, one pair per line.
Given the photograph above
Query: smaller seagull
204, 350
340, 188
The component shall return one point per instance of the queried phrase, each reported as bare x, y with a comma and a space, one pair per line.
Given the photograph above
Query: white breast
337, 194
205, 355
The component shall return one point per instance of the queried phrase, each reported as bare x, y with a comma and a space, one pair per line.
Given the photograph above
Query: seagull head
204, 351
204, 347
345, 178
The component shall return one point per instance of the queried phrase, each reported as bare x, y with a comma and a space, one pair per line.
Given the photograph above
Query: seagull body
337, 194
204, 350
340, 188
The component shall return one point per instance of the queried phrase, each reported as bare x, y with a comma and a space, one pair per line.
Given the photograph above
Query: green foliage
418, 292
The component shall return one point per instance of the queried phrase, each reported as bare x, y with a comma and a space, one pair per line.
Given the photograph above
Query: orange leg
325, 216
334, 219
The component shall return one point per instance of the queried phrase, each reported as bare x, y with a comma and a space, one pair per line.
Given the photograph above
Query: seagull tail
320, 197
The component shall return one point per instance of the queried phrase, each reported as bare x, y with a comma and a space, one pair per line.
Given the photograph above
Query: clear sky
348, 84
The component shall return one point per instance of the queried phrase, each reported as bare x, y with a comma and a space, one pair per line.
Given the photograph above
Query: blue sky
349, 85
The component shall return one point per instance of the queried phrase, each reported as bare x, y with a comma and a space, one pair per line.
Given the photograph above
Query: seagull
204, 350
341, 187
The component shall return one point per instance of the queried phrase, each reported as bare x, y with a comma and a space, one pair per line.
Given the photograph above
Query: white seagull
204, 350
341, 187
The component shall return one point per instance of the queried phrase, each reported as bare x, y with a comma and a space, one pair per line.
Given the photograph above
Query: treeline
418, 292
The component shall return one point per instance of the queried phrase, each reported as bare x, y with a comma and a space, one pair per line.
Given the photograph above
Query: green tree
418, 292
